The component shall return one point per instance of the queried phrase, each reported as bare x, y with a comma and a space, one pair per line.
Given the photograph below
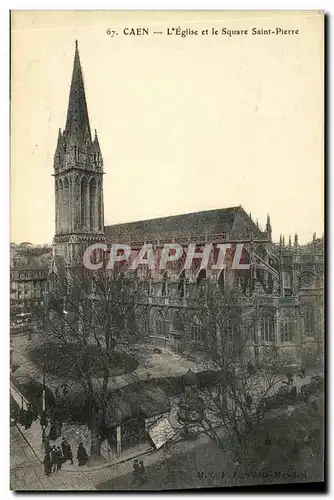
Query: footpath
74, 435
110, 466
27, 472
73, 477
151, 364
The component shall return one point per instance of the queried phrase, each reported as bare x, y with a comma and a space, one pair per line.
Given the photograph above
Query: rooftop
233, 220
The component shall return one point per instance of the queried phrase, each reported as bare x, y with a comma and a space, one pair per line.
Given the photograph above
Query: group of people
56, 456
24, 417
139, 473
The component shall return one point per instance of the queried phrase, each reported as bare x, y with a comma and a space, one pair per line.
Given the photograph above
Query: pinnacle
77, 121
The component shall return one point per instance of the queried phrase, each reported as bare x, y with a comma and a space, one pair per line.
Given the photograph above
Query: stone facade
286, 280
78, 172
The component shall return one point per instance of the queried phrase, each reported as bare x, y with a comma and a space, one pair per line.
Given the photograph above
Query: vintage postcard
167, 250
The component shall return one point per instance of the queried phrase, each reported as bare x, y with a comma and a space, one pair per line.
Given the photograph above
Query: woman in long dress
82, 455
47, 464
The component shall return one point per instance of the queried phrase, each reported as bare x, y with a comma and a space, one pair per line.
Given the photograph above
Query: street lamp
43, 419
11, 354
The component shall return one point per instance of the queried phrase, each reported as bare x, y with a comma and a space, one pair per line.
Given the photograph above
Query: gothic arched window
160, 324
221, 280
66, 204
164, 285
196, 330
267, 326
93, 204
231, 330
84, 185
309, 320
178, 323
142, 321
201, 283
286, 330
200, 277
60, 209
181, 285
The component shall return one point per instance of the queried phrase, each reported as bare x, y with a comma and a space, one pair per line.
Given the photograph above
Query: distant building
29, 269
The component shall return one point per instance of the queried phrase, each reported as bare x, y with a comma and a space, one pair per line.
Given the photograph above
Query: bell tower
78, 173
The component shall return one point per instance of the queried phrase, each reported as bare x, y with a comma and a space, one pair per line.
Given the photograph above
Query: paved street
27, 471
198, 468
204, 467
197, 464
194, 464
27, 474
208, 467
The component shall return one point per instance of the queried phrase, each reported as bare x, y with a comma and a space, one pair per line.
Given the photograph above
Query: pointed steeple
96, 141
268, 227
59, 141
58, 153
98, 161
77, 129
79, 211
296, 240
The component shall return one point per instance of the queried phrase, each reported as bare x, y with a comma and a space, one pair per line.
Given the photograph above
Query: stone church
285, 278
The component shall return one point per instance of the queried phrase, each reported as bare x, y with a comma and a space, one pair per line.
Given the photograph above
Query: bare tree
233, 406
93, 308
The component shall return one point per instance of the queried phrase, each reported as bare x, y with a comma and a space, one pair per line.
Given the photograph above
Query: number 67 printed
111, 33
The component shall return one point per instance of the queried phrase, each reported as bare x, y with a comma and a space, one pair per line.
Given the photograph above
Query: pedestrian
136, 473
59, 458
32, 412
67, 452
53, 459
53, 432
82, 455
47, 447
58, 425
47, 463
142, 473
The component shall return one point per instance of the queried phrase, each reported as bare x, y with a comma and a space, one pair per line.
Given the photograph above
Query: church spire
78, 177
96, 140
77, 129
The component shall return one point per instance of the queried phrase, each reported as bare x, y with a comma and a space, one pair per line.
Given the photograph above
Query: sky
184, 123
